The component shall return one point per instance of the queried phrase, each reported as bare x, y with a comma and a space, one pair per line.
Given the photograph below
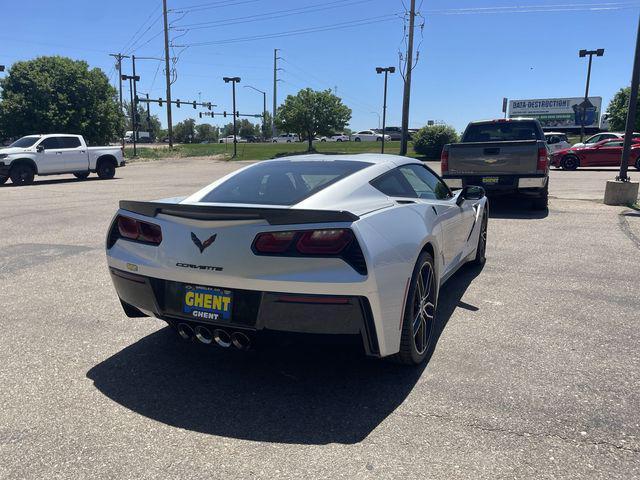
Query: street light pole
132, 82
583, 53
631, 112
233, 81
386, 71
264, 109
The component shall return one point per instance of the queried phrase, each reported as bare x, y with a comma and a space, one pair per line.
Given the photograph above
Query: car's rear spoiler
275, 216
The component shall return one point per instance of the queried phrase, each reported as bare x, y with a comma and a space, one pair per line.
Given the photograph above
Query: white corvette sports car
347, 245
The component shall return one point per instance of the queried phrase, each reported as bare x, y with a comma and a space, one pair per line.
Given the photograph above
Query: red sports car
606, 153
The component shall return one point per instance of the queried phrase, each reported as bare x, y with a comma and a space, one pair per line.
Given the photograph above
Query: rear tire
419, 313
378, 139
3, 180
542, 203
357, 139
570, 162
81, 175
22, 174
106, 170
638, 163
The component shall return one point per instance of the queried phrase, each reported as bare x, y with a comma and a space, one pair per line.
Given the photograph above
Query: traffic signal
200, 114
209, 105
178, 103
194, 104
160, 101
224, 114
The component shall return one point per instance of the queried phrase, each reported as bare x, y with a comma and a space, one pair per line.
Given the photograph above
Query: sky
471, 53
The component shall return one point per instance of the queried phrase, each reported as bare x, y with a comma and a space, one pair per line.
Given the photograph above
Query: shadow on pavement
299, 395
57, 181
515, 208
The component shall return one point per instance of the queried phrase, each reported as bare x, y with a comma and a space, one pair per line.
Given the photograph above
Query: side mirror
470, 192
39, 148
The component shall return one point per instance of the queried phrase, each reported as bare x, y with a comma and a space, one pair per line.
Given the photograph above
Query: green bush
429, 140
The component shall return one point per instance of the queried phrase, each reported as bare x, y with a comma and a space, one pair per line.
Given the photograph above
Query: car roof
377, 158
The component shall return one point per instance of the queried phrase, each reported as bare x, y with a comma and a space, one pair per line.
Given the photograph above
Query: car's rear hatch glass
281, 182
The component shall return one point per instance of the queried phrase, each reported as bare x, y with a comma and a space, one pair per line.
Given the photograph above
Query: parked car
394, 133
606, 153
368, 136
556, 141
354, 245
56, 154
286, 138
338, 137
505, 156
230, 139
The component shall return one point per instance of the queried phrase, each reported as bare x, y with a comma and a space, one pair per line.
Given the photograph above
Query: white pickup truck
56, 154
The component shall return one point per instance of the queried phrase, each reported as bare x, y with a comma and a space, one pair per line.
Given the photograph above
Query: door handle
58, 153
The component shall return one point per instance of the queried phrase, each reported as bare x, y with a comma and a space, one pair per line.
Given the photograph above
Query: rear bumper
255, 312
506, 184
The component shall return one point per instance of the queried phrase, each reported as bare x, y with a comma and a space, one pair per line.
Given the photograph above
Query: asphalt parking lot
535, 374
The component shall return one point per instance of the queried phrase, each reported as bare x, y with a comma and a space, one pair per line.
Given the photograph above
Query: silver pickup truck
506, 156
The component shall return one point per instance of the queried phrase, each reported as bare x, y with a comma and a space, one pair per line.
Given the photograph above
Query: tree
184, 132
150, 124
265, 125
618, 110
429, 140
311, 112
246, 129
59, 95
207, 132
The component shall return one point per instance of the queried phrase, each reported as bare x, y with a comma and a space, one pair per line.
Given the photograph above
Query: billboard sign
564, 112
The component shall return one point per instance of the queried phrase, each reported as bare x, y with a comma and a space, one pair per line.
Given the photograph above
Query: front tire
22, 174
106, 170
81, 175
357, 139
481, 249
419, 313
638, 163
3, 180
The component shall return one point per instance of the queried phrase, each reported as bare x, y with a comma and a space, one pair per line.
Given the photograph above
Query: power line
131, 41
273, 15
212, 5
594, 7
302, 31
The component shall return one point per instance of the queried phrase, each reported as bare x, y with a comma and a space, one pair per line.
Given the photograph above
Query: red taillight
444, 160
140, 231
273, 242
324, 242
543, 160
305, 242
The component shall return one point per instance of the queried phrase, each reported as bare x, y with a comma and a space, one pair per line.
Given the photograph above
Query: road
535, 374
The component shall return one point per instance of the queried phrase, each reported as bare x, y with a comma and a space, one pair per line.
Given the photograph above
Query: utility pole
275, 90
167, 72
132, 82
233, 81
134, 107
631, 112
119, 57
583, 53
407, 82
386, 71
264, 108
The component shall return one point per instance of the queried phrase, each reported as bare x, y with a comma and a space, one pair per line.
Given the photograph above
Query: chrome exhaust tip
203, 334
185, 331
240, 341
222, 338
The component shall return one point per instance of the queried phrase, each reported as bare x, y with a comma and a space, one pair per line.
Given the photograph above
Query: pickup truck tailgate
515, 157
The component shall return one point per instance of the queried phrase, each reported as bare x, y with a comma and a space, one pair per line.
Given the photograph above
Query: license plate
490, 180
207, 303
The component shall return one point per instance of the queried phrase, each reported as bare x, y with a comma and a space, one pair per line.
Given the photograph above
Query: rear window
282, 182
501, 132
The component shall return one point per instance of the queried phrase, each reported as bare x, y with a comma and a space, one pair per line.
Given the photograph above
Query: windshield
281, 182
25, 142
501, 132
